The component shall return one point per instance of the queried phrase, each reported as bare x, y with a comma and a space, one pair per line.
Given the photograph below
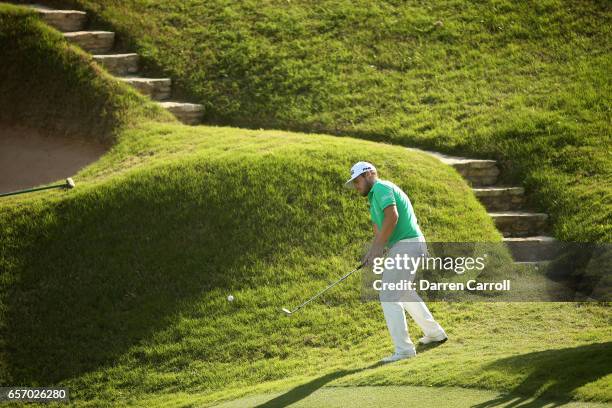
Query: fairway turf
393, 397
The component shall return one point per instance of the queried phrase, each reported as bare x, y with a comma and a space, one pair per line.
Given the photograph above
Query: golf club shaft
328, 287
68, 184
31, 190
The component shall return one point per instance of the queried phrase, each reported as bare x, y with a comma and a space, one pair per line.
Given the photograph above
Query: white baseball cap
358, 169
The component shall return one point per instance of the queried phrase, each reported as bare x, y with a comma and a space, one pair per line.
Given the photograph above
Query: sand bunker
29, 158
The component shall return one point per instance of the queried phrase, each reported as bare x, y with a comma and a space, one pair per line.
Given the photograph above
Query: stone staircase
124, 66
524, 231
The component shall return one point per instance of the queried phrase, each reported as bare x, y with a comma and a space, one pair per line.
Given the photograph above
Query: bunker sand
29, 158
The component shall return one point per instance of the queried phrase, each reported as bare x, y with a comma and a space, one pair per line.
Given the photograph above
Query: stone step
519, 224
501, 198
478, 172
63, 20
97, 42
188, 113
532, 249
119, 64
155, 88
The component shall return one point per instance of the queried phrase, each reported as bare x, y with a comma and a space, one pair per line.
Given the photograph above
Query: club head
287, 311
70, 183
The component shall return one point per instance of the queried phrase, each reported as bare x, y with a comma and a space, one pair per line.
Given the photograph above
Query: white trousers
410, 300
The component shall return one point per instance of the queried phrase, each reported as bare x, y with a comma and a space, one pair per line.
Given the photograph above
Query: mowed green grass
117, 289
391, 397
527, 83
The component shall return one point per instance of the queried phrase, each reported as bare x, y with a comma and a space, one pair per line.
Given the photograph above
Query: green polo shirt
385, 193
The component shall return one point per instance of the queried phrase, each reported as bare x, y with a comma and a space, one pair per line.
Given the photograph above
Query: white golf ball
230, 298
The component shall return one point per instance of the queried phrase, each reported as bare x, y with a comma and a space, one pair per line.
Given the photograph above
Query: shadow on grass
302, 391
554, 374
421, 348
96, 274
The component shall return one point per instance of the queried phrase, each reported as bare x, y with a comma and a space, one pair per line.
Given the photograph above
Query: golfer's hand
376, 251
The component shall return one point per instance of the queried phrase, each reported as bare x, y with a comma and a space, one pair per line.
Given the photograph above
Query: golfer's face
361, 185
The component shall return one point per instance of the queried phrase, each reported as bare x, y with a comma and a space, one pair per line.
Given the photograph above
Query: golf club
290, 312
68, 184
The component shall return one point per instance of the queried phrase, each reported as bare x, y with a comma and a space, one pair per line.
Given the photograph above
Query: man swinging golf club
395, 228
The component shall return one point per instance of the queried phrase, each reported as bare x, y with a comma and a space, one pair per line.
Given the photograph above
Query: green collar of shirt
371, 193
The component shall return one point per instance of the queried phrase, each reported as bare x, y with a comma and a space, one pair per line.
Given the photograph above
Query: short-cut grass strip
386, 396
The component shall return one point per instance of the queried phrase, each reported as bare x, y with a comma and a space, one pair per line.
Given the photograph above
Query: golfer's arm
389, 223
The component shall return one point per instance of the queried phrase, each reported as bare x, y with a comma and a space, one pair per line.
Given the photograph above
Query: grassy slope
527, 83
117, 288
154, 251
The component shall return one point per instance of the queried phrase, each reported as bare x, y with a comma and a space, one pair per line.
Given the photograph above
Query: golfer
396, 229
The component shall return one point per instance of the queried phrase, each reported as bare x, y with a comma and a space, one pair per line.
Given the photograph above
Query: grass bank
117, 289
526, 83
173, 219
